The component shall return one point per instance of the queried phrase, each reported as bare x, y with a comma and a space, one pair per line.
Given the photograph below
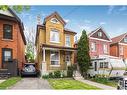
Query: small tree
83, 56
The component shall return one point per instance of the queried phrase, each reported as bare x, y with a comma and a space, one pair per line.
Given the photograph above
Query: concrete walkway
31, 83
102, 86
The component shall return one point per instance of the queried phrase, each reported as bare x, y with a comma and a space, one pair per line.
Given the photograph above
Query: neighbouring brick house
118, 47
99, 43
12, 39
54, 44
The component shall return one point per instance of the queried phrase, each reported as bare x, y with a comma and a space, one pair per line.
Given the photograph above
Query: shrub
57, 74
51, 75
70, 71
45, 76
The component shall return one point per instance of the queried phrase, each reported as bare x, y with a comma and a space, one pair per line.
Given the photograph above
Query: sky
113, 19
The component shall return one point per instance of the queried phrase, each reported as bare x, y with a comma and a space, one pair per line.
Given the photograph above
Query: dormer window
100, 34
54, 20
125, 39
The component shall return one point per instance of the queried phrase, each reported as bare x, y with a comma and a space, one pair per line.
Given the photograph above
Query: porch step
77, 75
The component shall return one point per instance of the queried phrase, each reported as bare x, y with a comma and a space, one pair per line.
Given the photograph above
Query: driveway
32, 83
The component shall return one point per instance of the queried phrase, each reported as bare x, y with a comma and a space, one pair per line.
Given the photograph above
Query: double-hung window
7, 31
67, 40
54, 36
6, 54
105, 48
121, 50
54, 57
93, 46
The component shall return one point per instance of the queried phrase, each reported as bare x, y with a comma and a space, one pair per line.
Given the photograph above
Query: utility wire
73, 10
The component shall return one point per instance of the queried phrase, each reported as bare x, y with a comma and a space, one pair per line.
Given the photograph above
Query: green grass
70, 84
105, 81
9, 82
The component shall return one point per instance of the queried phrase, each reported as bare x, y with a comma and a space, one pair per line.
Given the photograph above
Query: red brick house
118, 47
12, 39
99, 42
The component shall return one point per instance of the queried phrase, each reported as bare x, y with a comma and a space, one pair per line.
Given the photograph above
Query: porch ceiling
54, 47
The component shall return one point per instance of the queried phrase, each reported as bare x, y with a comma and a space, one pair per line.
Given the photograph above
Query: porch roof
58, 47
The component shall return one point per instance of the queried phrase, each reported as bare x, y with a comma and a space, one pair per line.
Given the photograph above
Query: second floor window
93, 46
54, 36
67, 40
7, 31
105, 48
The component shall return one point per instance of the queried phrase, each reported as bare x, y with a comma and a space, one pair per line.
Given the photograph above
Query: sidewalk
102, 86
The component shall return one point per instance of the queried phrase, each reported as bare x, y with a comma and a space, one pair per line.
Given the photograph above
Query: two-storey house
12, 39
54, 44
118, 47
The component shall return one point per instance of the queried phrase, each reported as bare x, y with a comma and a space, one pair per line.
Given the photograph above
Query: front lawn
9, 82
70, 84
105, 81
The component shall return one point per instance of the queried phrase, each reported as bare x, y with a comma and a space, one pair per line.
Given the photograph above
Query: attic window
100, 34
54, 20
125, 39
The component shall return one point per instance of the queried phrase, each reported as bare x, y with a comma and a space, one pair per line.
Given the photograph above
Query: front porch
56, 58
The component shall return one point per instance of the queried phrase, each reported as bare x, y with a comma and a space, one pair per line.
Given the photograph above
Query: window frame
121, 50
55, 60
125, 39
93, 49
53, 21
105, 48
6, 49
68, 41
4, 33
99, 34
57, 31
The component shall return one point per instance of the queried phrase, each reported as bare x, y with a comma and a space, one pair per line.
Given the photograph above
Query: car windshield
29, 68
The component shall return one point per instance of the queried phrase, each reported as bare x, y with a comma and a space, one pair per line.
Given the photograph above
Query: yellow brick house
54, 44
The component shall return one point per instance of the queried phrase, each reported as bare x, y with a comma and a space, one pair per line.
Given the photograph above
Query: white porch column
43, 66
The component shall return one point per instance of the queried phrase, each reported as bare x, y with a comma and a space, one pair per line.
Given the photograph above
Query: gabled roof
117, 39
43, 27
57, 15
16, 19
96, 30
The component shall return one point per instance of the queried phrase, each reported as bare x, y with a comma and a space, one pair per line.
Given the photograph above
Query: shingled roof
118, 38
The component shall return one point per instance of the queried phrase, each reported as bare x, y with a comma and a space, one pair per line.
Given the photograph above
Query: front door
95, 66
6, 56
68, 59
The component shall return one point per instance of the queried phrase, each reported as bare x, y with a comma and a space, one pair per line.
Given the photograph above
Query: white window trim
58, 34
58, 65
95, 47
54, 22
70, 41
121, 53
105, 52
99, 34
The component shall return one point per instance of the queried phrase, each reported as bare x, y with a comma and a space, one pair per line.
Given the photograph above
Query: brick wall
16, 44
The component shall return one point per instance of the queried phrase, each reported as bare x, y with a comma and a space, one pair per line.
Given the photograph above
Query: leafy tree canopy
17, 8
